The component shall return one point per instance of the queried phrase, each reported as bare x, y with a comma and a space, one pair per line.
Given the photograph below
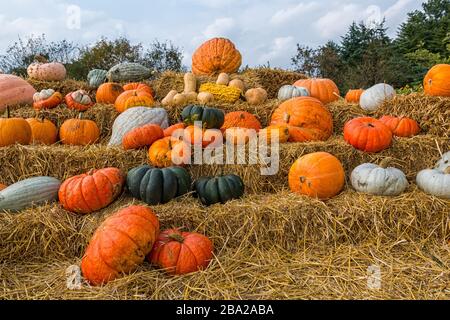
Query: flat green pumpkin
158, 186
211, 118
212, 190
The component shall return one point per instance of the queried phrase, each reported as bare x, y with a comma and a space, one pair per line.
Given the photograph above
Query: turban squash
180, 252
218, 55
212, 190
92, 191
210, 118
323, 89
79, 100
307, 119
158, 186
317, 175
47, 99
437, 81
368, 134
120, 244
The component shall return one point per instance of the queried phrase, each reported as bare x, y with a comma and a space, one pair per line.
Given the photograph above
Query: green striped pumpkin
96, 78
128, 72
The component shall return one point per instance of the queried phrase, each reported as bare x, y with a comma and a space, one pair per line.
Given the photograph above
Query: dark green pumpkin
158, 186
210, 117
221, 189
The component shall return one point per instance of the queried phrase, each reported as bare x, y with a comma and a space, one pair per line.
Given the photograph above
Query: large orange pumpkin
282, 131
139, 86
14, 130
120, 244
353, 96
307, 119
169, 151
323, 89
401, 126
241, 119
142, 136
133, 98
43, 131
216, 56
181, 252
108, 92
437, 81
318, 175
368, 134
79, 132
90, 192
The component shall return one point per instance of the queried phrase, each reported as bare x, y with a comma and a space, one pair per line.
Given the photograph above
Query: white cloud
288, 14
281, 48
220, 27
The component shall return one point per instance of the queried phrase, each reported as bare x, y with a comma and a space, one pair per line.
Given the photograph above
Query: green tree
305, 61
163, 56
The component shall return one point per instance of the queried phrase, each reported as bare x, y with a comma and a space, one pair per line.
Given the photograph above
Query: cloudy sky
262, 30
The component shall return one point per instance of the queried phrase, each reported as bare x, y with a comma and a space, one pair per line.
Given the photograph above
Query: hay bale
65, 87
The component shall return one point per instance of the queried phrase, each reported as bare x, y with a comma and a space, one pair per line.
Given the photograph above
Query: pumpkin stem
287, 117
302, 179
80, 115
176, 237
7, 112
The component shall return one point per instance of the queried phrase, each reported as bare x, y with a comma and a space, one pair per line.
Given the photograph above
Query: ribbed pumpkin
29, 192
181, 252
46, 99
168, 151
142, 136
158, 186
108, 93
120, 244
221, 189
287, 92
90, 192
211, 118
323, 89
128, 71
79, 100
216, 56
196, 136
401, 126
43, 131
96, 78
14, 91
437, 81
372, 98
318, 175
172, 129
307, 119
133, 98
282, 131
14, 130
79, 132
44, 71
241, 119
139, 86
368, 134
353, 96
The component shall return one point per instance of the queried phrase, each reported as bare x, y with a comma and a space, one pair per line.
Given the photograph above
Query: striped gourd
96, 77
29, 192
125, 72
134, 118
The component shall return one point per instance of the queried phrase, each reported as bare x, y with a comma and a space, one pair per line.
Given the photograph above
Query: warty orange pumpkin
142, 136
323, 89
134, 230
368, 134
90, 192
318, 175
307, 119
401, 126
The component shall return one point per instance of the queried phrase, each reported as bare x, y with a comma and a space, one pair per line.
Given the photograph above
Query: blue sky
262, 30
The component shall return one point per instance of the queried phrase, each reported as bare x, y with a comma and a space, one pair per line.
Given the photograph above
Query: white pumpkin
374, 97
435, 182
288, 92
378, 180
135, 118
43, 95
444, 163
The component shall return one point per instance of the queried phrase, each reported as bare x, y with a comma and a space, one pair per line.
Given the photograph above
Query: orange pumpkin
120, 244
216, 56
368, 134
79, 132
14, 130
193, 135
401, 126
437, 81
79, 100
47, 99
240, 136
353, 96
181, 252
133, 98
90, 192
43, 131
318, 175
142, 136
139, 86
108, 92
170, 130
323, 89
282, 130
3, 186
169, 151
241, 119
307, 119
